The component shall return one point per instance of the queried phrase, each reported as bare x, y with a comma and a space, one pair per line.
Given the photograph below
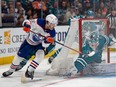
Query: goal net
79, 31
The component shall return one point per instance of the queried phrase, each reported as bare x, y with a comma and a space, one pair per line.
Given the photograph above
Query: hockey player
92, 51
93, 46
34, 42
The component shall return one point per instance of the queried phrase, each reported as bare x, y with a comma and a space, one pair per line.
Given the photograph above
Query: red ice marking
81, 73
53, 83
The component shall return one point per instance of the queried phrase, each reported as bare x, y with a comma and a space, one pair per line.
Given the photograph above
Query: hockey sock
33, 66
15, 63
38, 58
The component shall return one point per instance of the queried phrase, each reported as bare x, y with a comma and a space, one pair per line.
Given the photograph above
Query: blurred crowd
16, 11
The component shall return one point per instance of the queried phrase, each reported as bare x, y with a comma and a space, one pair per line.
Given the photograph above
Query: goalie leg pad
80, 64
100, 69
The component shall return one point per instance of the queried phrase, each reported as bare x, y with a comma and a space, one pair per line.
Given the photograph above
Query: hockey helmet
94, 40
90, 13
52, 19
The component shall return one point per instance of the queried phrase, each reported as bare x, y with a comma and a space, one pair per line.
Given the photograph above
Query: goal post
79, 29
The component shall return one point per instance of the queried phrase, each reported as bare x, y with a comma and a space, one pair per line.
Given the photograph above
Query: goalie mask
94, 40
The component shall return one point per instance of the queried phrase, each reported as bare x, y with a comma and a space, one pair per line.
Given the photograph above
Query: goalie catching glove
50, 40
27, 27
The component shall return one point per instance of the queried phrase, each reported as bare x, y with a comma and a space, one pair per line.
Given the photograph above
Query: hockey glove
26, 27
50, 39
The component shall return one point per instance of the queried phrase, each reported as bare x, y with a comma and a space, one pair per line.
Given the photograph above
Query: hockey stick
58, 43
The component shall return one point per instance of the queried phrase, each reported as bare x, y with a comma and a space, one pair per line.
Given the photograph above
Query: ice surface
56, 81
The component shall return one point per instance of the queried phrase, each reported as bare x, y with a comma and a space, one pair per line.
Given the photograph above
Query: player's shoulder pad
52, 33
41, 22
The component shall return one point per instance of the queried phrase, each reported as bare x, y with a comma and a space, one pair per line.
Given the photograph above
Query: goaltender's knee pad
80, 63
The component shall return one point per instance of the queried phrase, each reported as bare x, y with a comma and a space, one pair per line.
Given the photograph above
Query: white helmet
52, 19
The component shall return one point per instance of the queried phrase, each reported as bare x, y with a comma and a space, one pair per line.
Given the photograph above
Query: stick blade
23, 78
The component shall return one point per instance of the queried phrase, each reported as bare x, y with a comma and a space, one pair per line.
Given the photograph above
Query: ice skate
29, 74
26, 77
7, 73
73, 72
18, 68
50, 59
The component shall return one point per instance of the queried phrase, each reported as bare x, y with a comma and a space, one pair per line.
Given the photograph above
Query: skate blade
28, 80
5, 76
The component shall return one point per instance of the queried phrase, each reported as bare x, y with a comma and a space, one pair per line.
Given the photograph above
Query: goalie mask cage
63, 62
